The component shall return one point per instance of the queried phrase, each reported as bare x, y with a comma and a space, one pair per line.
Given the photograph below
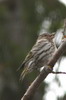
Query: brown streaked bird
39, 55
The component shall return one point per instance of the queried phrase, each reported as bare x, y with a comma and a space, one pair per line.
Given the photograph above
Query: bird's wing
26, 59
33, 51
36, 49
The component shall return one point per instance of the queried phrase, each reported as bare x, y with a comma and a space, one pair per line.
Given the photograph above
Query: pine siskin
39, 55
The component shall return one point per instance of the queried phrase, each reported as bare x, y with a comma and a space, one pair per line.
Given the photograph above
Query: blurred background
20, 23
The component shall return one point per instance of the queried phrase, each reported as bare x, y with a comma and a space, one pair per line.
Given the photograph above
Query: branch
36, 83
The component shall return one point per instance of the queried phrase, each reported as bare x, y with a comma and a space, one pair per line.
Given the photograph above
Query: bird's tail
25, 72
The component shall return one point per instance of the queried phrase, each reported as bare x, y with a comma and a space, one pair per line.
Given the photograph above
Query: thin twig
58, 72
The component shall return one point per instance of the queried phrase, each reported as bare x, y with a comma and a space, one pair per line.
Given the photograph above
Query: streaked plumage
39, 55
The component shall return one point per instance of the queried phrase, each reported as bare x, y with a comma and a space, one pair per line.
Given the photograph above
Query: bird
39, 55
